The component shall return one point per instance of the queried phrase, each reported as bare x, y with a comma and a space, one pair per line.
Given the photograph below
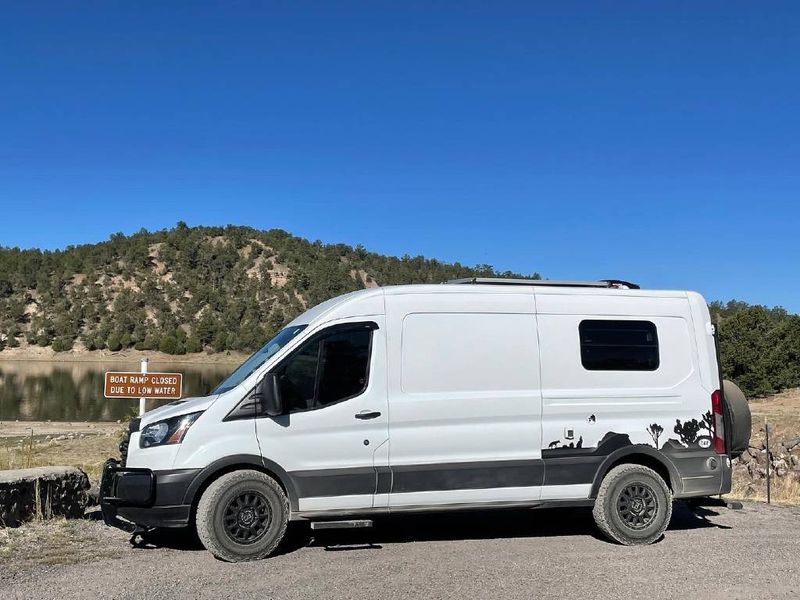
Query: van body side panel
666, 408
464, 398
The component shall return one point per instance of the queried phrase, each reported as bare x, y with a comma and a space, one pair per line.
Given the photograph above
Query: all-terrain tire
242, 516
633, 505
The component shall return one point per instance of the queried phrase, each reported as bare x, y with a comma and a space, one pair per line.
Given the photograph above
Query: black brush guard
111, 499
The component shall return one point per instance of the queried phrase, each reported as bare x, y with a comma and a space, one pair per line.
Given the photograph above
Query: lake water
58, 391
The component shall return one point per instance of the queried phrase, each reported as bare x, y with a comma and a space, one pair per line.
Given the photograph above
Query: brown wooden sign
163, 386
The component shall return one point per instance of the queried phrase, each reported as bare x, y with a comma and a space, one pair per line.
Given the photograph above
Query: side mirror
268, 395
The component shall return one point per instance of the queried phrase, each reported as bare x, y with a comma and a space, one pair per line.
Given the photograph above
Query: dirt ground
21, 429
543, 554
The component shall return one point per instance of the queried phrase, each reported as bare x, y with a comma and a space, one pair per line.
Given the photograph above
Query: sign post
142, 400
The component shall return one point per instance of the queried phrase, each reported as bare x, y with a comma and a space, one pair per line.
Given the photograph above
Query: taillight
718, 422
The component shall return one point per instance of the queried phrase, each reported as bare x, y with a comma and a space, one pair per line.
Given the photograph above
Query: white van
480, 393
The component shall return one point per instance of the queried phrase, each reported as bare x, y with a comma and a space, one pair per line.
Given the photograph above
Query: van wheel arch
235, 463
640, 455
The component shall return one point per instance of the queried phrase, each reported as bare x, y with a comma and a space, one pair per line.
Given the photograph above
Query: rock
93, 494
793, 443
42, 492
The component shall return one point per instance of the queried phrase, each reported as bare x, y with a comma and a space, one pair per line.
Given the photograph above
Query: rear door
465, 401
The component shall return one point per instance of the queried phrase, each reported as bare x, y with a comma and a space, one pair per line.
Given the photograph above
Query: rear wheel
633, 505
242, 516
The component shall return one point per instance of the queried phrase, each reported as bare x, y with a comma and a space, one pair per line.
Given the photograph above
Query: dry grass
781, 411
783, 490
87, 451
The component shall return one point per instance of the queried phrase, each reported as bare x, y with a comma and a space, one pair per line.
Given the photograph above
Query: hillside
213, 289
187, 289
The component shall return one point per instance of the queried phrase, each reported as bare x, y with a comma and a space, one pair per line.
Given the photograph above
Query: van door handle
368, 414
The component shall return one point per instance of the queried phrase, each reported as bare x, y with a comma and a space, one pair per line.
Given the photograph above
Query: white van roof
370, 301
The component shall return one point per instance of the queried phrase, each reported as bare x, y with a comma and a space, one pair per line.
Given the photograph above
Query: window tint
326, 370
298, 379
344, 363
619, 345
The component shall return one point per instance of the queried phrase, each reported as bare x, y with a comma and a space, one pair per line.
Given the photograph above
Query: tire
739, 416
618, 514
242, 516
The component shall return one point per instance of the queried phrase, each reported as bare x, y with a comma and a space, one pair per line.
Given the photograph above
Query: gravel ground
712, 552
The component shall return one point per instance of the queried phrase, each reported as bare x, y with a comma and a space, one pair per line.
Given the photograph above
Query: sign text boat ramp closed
162, 386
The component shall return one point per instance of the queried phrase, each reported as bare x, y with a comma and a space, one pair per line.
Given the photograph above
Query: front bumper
135, 499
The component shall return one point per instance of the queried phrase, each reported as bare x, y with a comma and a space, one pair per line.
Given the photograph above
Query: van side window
619, 345
326, 370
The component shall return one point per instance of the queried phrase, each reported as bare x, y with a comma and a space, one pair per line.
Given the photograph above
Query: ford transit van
479, 393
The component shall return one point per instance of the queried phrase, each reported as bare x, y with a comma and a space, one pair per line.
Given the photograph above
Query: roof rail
603, 283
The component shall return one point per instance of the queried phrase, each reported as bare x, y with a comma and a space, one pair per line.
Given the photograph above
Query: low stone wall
783, 458
42, 492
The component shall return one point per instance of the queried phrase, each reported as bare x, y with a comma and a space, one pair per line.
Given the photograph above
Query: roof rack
603, 283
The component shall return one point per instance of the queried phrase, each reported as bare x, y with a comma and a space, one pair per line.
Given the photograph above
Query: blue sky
655, 142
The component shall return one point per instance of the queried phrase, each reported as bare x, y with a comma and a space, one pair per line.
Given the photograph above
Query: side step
353, 524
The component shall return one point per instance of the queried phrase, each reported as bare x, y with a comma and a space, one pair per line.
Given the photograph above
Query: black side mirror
268, 396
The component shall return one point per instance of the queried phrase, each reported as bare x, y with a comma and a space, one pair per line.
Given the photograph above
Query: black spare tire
738, 414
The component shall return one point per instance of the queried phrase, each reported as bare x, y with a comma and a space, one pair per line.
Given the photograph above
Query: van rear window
608, 345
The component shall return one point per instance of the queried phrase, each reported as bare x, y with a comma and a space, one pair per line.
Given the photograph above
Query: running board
353, 524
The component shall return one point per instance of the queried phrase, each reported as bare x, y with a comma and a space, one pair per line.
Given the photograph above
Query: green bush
62, 344
168, 345
113, 342
193, 345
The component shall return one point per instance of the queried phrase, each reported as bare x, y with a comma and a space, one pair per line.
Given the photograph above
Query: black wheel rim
247, 517
637, 505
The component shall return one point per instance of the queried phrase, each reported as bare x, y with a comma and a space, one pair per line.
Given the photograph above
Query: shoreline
37, 354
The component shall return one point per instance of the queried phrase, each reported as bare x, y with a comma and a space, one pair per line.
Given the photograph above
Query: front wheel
633, 505
242, 516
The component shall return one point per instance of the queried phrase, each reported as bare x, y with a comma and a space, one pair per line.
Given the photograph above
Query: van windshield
258, 358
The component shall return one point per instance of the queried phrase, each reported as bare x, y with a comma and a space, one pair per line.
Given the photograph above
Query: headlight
171, 431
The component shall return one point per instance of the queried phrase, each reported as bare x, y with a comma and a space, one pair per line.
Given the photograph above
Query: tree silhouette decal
687, 431
708, 422
655, 430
